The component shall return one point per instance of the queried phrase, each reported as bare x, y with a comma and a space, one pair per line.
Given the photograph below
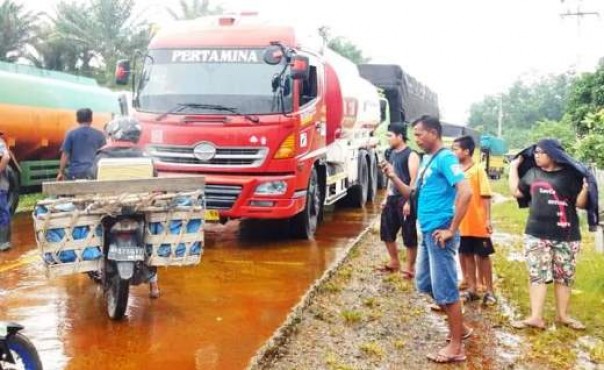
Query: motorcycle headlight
272, 188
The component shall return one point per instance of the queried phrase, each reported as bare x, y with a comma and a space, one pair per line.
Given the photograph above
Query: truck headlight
272, 188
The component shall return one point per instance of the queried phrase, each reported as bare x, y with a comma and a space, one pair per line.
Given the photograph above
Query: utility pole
579, 14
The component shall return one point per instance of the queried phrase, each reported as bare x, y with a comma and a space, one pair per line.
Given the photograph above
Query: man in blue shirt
79, 149
443, 195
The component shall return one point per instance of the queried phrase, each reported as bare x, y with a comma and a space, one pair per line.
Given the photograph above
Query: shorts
436, 272
482, 247
551, 260
393, 220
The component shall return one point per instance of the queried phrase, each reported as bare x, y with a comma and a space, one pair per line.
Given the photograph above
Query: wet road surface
212, 316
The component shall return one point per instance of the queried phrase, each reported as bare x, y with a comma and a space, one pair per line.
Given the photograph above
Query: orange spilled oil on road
212, 316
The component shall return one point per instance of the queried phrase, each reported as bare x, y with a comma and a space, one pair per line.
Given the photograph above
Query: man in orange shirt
475, 229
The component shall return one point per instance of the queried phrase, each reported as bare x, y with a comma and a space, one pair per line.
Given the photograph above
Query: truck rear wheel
357, 194
14, 189
304, 224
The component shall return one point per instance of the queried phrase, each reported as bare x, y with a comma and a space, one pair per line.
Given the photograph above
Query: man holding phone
443, 195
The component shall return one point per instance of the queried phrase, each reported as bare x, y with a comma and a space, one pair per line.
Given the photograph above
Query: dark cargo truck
408, 98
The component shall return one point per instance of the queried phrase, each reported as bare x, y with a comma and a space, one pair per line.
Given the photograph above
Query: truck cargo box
408, 98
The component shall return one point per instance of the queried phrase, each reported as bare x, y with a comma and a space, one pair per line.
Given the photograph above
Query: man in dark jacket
124, 134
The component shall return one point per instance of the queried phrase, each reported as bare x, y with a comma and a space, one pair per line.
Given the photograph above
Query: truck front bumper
234, 196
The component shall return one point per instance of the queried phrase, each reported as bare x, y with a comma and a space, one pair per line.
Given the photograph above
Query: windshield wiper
217, 107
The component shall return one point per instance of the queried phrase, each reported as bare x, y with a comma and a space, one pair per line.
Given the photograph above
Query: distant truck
37, 108
491, 149
494, 150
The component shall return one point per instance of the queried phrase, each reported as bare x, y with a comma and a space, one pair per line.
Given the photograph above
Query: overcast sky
461, 49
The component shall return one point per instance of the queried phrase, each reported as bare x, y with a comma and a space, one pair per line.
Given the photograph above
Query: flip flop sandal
387, 269
489, 299
468, 297
439, 358
523, 324
467, 335
436, 308
408, 275
572, 324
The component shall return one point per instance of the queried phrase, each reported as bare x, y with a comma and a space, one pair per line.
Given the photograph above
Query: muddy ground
361, 319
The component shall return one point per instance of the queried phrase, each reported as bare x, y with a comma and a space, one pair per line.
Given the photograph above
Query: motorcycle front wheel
24, 353
117, 297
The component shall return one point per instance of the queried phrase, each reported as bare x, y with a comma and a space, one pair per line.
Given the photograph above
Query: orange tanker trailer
37, 108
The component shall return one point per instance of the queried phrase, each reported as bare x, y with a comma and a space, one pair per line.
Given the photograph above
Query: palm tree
17, 30
106, 30
53, 51
191, 9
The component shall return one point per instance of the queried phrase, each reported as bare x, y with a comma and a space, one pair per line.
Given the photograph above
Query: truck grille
221, 196
225, 157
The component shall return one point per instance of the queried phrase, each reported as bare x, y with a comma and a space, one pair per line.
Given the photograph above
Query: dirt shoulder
360, 319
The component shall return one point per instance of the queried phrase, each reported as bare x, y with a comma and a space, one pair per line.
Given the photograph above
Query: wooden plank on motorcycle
173, 184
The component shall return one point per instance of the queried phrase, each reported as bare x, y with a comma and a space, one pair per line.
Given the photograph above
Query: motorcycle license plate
126, 253
212, 215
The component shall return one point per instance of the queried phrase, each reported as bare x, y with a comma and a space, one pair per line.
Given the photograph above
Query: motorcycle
124, 264
16, 351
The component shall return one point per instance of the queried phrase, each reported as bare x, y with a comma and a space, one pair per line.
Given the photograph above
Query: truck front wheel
14, 188
304, 224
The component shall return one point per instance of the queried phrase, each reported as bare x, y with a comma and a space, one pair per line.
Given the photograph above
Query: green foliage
109, 31
54, 52
590, 146
17, 29
561, 130
192, 9
28, 201
587, 95
524, 104
348, 50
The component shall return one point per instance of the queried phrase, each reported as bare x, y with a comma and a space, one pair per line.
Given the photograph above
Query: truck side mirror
273, 55
122, 72
300, 69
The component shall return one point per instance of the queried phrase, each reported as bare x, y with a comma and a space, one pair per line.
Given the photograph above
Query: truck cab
276, 122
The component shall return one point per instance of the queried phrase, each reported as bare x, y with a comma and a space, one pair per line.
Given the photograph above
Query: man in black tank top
396, 212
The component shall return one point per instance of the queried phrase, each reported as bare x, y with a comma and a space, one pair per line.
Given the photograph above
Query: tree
192, 9
587, 96
54, 52
561, 130
524, 104
348, 50
17, 30
590, 146
109, 31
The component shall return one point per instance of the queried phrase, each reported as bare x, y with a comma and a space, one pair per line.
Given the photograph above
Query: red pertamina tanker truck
279, 124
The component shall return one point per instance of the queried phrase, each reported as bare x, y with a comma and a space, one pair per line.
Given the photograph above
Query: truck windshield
237, 78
